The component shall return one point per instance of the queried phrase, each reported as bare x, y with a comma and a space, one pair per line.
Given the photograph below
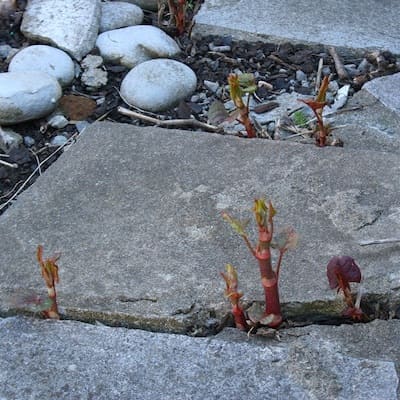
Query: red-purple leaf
341, 271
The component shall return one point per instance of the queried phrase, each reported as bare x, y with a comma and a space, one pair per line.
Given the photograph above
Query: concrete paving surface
71, 360
370, 24
136, 214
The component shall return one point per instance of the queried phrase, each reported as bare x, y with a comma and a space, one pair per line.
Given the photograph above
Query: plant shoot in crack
231, 292
287, 239
341, 271
317, 105
49, 270
239, 86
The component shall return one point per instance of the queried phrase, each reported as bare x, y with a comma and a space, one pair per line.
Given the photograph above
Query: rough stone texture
371, 125
141, 233
145, 4
69, 25
135, 44
158, 85
386, 89
27, 95
335, 23
99, 362
46, 59
119, 14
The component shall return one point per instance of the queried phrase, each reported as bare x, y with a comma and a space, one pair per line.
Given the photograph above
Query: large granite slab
71, 360
136, 213
342, 23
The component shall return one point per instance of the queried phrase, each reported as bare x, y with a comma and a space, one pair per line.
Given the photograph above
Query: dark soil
272, 63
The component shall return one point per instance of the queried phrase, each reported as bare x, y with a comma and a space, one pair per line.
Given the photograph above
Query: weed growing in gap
49, 270
317, 105
239, 86
341, 271
287, 239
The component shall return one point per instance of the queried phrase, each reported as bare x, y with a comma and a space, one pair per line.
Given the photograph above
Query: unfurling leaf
48, 267
237, 225
321, 98
263, 212
285, 239
235, 91
341, 271
247, 83
217, 113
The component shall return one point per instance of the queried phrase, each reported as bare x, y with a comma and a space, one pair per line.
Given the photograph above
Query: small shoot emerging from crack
239, 86
49, 270
287, 239
341, 271
317, 105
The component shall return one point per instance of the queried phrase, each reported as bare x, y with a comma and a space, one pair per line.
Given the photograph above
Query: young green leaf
237, 225
247, 83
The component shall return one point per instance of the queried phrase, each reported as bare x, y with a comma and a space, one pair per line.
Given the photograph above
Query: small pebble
82, 125
29, 141
300, 76
326, 71
333, 86
91, 61
364, 67
5, 50
57, 121
58, 140
211, 86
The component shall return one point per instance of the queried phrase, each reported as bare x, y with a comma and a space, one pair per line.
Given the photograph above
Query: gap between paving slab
136, 213
341, 23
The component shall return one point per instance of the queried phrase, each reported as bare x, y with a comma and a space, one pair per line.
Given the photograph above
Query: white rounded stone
136, 44
27, 95
118, 15
158, 85
47, 59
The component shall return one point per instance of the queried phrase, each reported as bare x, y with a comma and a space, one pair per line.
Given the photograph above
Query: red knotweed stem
240, 319
273, 306
269, 282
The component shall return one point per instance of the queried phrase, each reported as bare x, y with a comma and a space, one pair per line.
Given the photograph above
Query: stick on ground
190, 122
340, 69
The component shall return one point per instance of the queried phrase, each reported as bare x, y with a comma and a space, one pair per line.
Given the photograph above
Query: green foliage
300, 119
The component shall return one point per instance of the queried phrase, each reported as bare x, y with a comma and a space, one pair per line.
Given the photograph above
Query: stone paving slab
136, 213
341, 23
71, 360
386, 89
369, 120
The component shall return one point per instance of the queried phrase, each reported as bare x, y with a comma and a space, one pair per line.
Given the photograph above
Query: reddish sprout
341, 271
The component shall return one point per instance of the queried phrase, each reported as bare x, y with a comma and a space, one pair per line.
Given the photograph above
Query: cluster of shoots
317, 105
287, 239
341, 271
239, 86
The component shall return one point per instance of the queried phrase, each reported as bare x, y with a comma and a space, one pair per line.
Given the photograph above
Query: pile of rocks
32, 87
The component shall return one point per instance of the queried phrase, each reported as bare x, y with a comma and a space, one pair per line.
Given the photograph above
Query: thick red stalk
269, 279
240, 319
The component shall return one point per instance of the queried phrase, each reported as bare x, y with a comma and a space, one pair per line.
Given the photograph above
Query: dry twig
190, 122
341, 71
